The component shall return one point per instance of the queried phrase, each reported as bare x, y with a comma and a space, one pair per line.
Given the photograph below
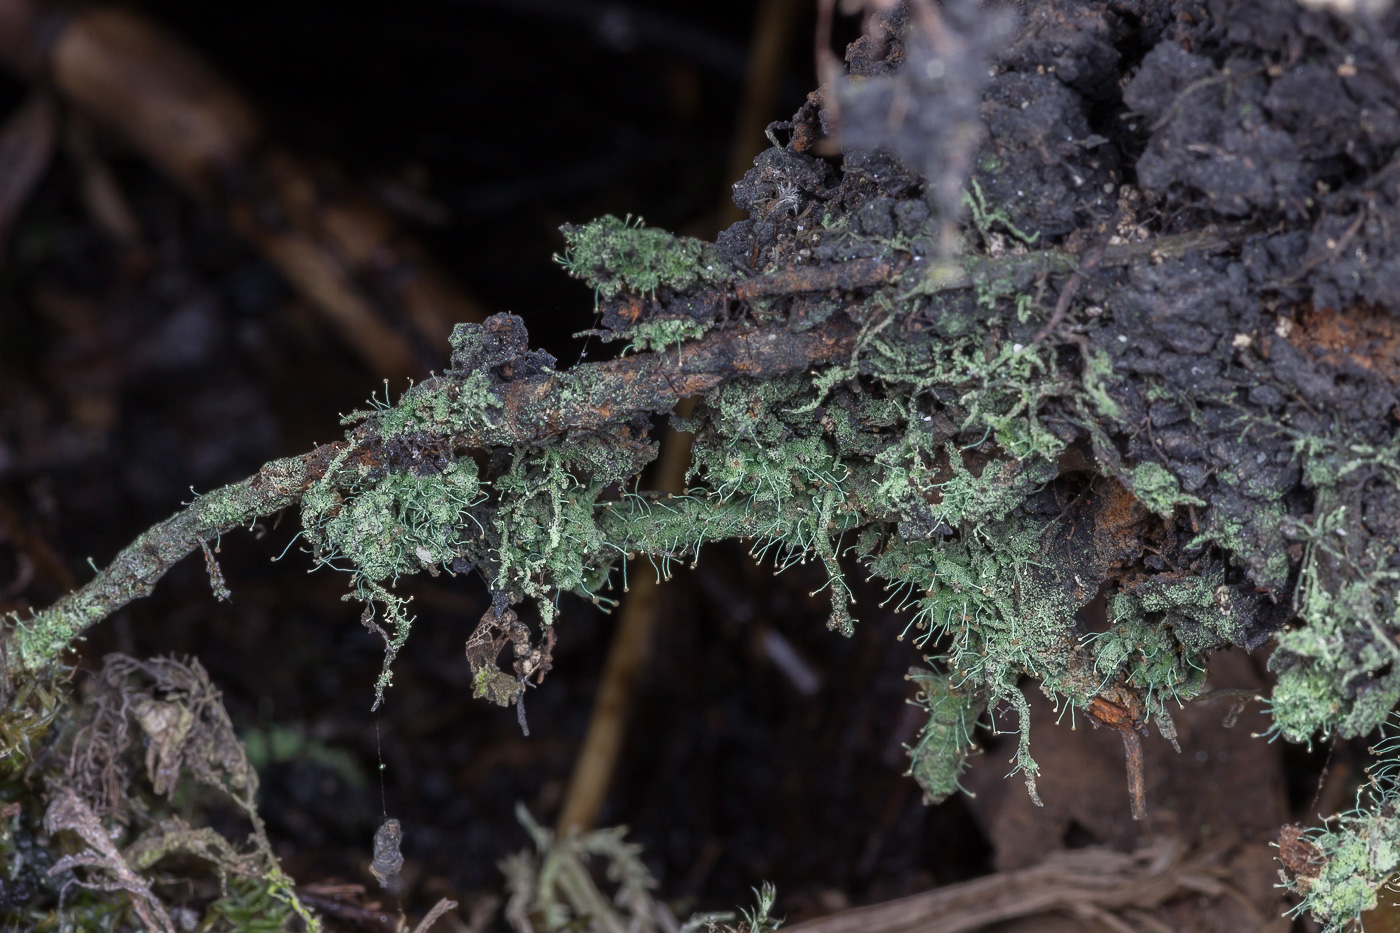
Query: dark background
129, 376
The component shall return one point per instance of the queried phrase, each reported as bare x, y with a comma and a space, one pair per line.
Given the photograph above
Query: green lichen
1098, 374
658, 335
1163, 630
1158, 489
37, 641
1355, 854
1339, 671
223, 507
945, 741
953, 455
613, 255
985, 217
380, 529
397, 525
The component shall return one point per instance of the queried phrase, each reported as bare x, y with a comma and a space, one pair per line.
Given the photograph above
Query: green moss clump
27, 717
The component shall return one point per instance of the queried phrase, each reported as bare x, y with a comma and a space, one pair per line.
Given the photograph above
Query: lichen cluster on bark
1143, 346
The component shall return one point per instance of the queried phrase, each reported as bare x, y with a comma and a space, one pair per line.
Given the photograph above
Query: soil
130, 374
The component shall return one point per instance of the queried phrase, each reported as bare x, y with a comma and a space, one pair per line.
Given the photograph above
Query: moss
27, 718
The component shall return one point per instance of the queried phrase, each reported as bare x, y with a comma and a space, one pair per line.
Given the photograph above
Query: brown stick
1137, 786
533, 409
631, 643
1072, 881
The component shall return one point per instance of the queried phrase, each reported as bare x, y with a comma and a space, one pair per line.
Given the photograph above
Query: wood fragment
1126, 718
1092, 881
631, 643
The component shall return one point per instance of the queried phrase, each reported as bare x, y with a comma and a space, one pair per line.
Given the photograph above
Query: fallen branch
532, 408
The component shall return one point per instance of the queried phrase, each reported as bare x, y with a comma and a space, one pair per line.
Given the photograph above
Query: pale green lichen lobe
612, 255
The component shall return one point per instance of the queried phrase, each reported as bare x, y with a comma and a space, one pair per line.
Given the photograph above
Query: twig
1121, 710
857, 273
533, 409
1137, 786
1091, 260
1091, 880
440, 910
137, 568
597, 757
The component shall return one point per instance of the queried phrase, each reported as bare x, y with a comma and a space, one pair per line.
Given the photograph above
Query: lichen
658, 335
1159, 490
940, 754
1353, 855
1339, 670
612, 255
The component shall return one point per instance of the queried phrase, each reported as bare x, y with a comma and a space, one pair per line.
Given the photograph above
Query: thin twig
1091, 260
1092, 879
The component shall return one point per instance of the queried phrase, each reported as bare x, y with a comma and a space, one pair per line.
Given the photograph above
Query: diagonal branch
544, 404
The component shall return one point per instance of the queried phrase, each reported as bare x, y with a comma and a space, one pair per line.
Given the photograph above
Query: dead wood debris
163, 718
1087, 884
110, 871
